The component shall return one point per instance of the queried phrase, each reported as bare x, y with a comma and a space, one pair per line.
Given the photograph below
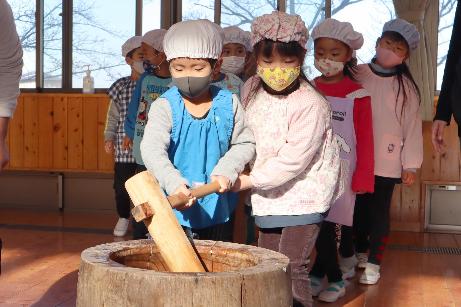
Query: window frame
67, 32
170, 13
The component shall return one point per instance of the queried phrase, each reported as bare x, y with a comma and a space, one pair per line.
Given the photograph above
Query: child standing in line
236, 49
334, 44
153, 82
120, 94
197, 133
225, 79
398, 140
295, 175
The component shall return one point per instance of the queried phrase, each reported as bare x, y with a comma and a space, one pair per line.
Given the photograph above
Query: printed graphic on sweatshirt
144, 107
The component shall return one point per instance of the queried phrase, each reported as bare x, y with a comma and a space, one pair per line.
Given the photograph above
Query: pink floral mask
328, 67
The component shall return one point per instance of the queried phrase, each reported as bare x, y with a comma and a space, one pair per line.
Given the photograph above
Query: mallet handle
200, 192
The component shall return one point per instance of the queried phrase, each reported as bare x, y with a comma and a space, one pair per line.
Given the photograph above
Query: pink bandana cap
279, 26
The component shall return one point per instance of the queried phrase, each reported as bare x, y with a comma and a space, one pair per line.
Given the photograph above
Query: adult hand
437, 135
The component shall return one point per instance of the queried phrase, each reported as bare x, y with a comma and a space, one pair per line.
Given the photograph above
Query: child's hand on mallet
186, 192
243, 183
224, 183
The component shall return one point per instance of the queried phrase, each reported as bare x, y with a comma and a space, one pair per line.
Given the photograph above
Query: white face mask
138, 67
233, 64
328, 67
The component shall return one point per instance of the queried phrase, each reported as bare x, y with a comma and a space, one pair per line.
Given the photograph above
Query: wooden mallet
152, 207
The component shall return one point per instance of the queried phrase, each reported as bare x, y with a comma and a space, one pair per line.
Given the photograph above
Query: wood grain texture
75, 132
16, 132
164, 228
241, 276
48, 133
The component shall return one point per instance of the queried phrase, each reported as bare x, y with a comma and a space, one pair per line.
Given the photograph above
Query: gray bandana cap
404, 28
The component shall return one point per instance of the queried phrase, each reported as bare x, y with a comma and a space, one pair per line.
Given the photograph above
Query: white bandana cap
342, 31
196, 39
131, 44
154, 39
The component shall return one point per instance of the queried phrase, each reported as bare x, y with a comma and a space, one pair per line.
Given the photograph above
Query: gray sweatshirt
156, 141
10, 61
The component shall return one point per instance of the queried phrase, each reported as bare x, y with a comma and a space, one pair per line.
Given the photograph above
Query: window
24, 17
197, 9
241, 13
52, 44
447, 10
151, 15
370, 25
99, 30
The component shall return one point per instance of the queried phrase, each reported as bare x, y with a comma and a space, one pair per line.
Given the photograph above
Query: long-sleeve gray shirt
156, 141
10, 61
112, 119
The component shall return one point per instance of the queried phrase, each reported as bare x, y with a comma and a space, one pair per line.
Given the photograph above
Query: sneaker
122, 227
333, 292
362, 259
347, 266
371, 274
316, 285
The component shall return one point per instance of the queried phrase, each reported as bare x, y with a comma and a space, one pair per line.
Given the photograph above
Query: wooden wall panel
64, 132
105, 161
31, 132
449, 161
75, 132
90, 133
430, 169
45, 132
16, 132
407, 212
411, 203
60, 132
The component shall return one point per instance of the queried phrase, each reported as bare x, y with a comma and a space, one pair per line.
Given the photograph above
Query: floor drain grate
427, 250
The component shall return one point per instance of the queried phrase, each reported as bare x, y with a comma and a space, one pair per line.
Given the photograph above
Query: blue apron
196, 146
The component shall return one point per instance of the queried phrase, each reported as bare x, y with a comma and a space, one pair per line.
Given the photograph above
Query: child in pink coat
294, 177
398, 140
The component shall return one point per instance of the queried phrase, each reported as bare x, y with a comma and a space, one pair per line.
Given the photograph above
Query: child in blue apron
196, 132
334, 44
153, 82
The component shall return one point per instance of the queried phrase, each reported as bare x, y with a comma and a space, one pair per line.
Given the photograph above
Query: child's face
234, 49
400, 48
276, 60
136, 56
186, 67
332, 49
151, 55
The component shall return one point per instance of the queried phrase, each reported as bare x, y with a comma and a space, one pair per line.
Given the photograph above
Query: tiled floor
41, 254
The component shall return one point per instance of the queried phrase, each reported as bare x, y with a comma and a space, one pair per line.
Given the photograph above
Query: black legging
326, 262
372, 219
